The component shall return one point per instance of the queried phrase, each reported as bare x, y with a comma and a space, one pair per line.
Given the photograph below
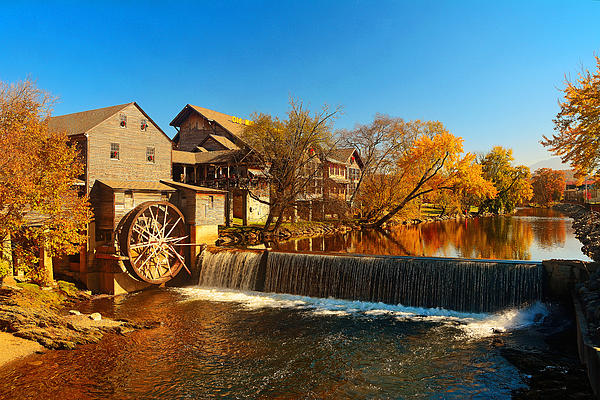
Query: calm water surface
221, 344
529, 234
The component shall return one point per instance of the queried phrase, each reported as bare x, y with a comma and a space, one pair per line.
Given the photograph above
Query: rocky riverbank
554, 372
587, 228
253, 235
42, 315
249, 235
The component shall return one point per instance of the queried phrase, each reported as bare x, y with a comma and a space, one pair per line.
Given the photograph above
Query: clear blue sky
489, 70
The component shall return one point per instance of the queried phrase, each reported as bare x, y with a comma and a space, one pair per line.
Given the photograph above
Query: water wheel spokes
153, 233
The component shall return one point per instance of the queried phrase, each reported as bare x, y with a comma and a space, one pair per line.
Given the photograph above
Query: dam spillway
450, 283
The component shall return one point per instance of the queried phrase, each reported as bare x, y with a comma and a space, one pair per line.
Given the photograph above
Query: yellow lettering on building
241, 121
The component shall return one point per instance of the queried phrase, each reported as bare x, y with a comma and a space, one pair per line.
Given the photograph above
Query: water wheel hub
149, 237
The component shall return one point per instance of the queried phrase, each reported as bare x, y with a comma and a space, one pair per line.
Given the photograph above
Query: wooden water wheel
149, 240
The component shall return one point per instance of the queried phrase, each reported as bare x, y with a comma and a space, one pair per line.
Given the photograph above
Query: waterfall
234, 269
461, 285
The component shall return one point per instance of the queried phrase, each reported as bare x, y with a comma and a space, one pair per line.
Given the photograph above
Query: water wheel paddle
148, 238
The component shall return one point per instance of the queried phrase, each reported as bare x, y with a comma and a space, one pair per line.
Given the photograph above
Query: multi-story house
124, 152
331, 186
341, 171
208, 151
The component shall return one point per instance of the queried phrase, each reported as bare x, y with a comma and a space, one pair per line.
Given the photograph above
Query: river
236, 344
528, 234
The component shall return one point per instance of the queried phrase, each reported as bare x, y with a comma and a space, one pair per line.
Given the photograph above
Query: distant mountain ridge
553, 163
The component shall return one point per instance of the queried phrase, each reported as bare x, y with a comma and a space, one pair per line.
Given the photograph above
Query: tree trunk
279, 220
388, 216
269, 220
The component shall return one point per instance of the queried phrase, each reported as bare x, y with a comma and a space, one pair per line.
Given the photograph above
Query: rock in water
74, 312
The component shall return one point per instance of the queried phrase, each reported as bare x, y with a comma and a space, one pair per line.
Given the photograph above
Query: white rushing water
472, 325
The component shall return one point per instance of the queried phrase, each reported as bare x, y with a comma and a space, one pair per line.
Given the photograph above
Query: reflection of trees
550, 233
487, 237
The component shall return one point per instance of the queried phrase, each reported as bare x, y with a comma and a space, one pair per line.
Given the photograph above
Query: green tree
512, 183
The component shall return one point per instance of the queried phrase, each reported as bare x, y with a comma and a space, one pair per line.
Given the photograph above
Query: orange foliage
431, 162
37, 172
578, 123
548, 185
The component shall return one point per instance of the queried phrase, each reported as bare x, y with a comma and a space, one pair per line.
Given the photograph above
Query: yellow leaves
431, 160
578, 123
36, 175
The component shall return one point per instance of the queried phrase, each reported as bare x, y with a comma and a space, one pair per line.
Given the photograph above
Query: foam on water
474, 325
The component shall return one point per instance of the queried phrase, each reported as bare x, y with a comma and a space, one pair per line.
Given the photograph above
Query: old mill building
143, 187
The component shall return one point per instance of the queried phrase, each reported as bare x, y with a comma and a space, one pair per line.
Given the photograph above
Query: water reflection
211, 349
529, 234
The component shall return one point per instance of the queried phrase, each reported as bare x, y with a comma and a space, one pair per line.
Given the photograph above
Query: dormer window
123, 120
143, 125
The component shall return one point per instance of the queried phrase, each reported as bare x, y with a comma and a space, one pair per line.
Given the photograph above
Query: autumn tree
512, 183
578, 123
548, 185
290, 150
375, 142
430, 159
37, 172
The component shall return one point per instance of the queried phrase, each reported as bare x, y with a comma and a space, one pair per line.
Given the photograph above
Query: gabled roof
228, 144
226, 121
82, 122
344, 155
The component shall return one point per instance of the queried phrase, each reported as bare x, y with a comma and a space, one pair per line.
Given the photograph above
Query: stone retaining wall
588, 353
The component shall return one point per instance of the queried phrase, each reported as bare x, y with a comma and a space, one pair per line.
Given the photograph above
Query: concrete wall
561, 276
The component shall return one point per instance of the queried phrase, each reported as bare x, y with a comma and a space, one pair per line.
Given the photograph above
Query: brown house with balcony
331, 188
208, 151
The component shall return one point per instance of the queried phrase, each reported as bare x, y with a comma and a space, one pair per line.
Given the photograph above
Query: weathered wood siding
127, 200
109, 205
212, 145
210, 212
132, 164
194, 129
102, 202
198, 209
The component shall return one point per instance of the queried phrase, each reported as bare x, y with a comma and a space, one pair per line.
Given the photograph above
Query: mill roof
199, 189
83, 121
228, 144
225, 120
149, 186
